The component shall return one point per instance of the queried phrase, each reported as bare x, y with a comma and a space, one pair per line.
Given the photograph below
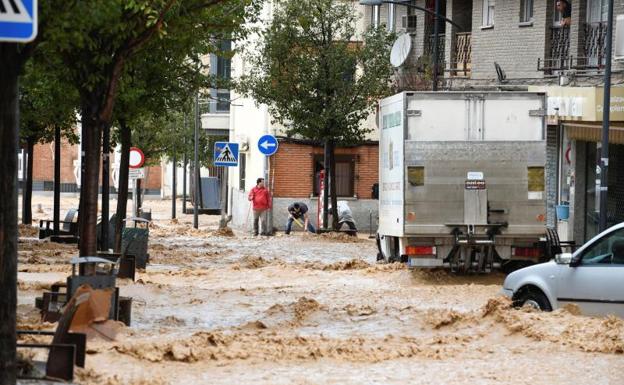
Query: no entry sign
137, 158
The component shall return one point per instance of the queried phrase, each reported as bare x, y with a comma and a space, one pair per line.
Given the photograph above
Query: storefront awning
588, 132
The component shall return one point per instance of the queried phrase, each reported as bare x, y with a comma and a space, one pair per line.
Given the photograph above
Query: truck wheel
533, 298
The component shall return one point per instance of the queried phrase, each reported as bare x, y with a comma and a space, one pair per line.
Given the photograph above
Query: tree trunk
122, 193
326, 159
28, 183
332, 187
9, 123
92, 140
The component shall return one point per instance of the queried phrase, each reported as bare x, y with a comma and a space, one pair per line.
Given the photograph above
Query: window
608, 250
526, 11
488, 13
241, 171
345, 175
223, 101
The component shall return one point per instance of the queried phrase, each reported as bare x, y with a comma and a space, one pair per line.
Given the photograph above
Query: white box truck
462, 179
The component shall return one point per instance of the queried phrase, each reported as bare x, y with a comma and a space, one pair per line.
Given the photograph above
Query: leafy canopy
315, 74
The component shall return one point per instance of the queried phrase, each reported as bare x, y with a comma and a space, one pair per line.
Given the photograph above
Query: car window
607, 250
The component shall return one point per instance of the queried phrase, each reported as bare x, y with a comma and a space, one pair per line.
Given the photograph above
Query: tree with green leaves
317, 78
47, 103
13, 57
101, 47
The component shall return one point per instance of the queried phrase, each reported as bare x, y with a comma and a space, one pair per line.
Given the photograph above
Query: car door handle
551, 276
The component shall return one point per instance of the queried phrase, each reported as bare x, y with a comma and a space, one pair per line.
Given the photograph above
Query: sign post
226, 154
137, 171
18, 21
321, 198
268, 145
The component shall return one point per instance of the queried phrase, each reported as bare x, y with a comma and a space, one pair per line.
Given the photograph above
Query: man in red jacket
261, 201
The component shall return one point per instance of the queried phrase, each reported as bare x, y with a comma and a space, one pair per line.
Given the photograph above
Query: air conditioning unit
619, 38
408, 22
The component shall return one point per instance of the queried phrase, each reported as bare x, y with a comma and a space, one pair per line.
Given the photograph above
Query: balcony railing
462, 54
559, 58
593, 56
594, 46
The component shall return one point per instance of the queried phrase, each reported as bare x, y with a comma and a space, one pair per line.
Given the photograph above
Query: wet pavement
306, 309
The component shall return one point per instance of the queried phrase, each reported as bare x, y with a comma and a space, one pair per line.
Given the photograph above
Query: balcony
593, 48
461, 55
594, 45
559, 58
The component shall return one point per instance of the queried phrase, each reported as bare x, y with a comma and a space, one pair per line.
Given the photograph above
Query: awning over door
593, 132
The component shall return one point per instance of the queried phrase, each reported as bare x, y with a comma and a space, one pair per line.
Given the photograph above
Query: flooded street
216, 308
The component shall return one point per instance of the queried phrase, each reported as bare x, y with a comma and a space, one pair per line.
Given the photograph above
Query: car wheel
533, 298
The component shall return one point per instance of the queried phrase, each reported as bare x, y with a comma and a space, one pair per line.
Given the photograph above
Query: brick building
297, 164
43, 169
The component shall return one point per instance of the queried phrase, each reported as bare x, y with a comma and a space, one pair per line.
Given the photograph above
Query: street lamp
436, 14
604, 153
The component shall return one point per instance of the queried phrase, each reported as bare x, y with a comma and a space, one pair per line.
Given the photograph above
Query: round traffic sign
267, 144
137, 158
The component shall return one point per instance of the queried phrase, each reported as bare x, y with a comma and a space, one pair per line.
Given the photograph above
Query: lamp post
606, 107
436, 14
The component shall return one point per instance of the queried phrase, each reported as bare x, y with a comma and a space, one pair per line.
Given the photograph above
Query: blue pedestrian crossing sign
225, 153
18, 20
267, 144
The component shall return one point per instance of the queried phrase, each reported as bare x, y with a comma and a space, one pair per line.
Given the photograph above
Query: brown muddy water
217, 308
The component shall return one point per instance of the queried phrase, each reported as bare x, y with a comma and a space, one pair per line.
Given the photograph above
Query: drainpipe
376, 15
391, 17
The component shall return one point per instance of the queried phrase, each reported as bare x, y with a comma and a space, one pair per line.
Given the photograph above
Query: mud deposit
227, 308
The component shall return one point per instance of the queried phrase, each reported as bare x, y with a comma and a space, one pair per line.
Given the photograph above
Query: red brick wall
43, 165
43, 162
293, 168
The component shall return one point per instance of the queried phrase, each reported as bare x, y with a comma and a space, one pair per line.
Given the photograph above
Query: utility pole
606, 109
196, 166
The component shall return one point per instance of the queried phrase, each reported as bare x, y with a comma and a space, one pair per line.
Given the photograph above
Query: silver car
592, 278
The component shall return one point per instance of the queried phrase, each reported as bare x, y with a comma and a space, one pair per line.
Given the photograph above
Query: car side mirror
575, 261
563, 258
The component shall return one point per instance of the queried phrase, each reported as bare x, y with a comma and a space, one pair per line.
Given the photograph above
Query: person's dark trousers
352, 229
290, 222
258, 214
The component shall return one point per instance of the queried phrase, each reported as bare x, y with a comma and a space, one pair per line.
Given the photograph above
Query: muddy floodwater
218, 308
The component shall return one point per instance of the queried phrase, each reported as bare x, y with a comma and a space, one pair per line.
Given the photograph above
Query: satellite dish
400, 50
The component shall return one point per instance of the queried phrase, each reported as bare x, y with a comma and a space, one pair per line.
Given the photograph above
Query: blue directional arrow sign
225, 153
18, 20
267, 144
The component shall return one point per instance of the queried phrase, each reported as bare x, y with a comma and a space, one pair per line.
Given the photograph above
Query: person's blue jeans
290, 222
